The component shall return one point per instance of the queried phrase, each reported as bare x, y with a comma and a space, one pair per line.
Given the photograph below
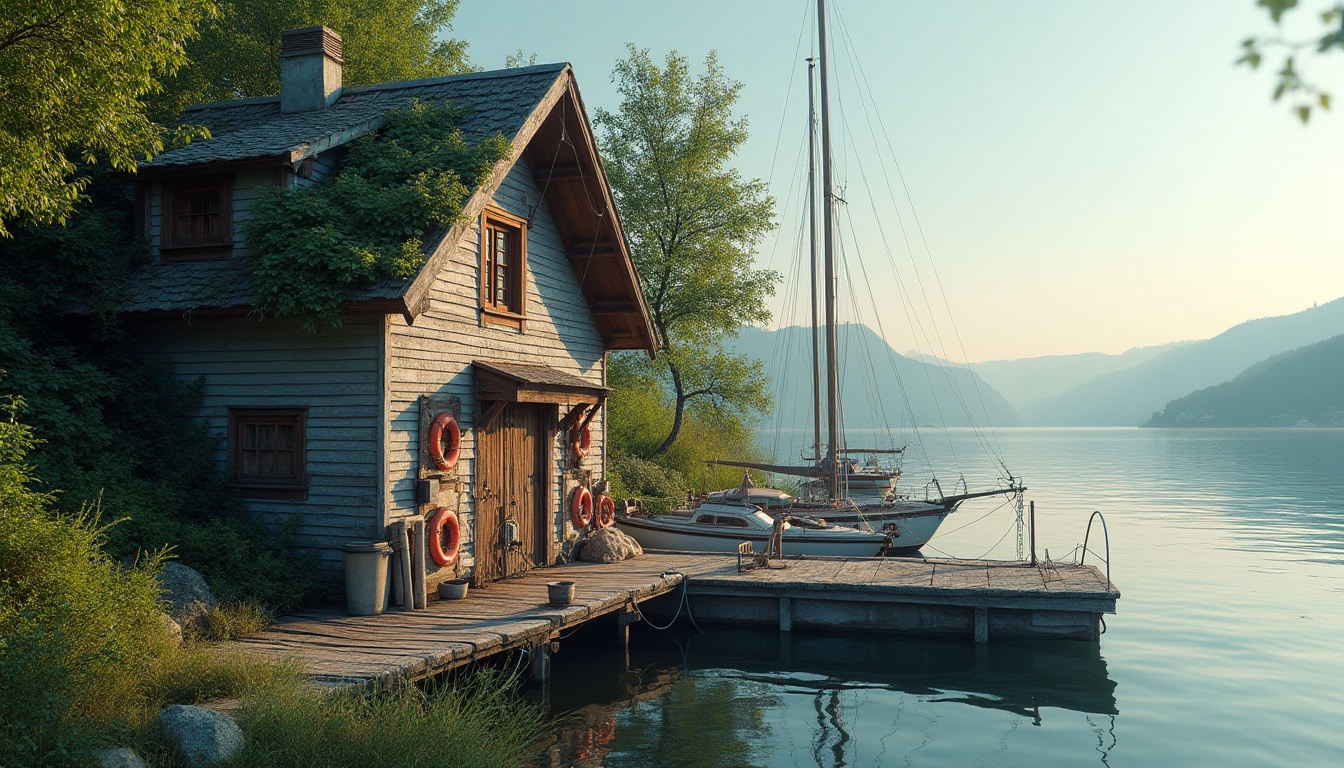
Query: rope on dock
685, 601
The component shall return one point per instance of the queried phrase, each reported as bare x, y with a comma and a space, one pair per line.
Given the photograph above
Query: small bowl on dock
453, 590
560, 592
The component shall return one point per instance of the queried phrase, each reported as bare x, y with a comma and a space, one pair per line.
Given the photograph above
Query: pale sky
1089, 176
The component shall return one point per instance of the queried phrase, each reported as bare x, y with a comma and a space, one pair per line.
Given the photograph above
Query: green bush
77, 630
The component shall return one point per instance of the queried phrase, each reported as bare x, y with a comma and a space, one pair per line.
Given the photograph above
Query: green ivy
313, 245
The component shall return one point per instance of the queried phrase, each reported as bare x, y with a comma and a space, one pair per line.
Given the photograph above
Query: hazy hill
930, 390
1031, 379
1304, 385
1129, 397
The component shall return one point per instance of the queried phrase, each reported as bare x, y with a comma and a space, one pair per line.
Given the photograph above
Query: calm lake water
1227, 650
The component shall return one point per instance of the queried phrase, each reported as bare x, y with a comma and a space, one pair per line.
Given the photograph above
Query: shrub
77, 630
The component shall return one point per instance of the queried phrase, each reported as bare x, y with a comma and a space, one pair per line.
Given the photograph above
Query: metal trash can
366, 577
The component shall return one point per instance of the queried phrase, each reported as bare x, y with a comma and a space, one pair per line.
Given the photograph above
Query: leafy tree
1290, 80
693, 224
238, 53
73, 76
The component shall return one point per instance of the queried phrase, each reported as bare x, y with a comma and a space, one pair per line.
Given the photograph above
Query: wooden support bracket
492, 413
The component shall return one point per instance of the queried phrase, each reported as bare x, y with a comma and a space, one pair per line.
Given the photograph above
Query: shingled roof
514, 103
497, 103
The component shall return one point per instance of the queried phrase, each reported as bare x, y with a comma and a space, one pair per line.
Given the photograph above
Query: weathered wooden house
505, 328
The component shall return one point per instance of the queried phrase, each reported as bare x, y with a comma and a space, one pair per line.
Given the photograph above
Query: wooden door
513, 486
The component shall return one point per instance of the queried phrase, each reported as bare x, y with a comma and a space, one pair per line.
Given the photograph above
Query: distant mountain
1031, 379
1304, 387
871, 400
1129, 397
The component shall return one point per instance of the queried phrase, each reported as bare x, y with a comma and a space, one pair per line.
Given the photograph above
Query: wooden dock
983, 598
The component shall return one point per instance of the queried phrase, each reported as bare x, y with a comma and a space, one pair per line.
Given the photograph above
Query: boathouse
505, 328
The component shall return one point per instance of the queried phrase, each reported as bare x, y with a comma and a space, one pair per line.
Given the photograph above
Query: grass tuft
478, 722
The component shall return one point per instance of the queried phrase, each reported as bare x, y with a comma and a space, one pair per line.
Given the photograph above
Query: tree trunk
678, 410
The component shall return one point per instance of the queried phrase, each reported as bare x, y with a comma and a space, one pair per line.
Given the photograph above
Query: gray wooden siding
434, 355
335, 374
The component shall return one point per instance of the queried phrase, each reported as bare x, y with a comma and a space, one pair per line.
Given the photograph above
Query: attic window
503, 268
197, 221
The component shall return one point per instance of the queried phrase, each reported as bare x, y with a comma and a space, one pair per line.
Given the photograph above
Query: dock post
541, 663
624, 619
418, 595
785, 614
981, 625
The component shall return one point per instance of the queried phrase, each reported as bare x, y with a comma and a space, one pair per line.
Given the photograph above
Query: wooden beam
561, 172
613, 308
492, 413
581, 249
574, 415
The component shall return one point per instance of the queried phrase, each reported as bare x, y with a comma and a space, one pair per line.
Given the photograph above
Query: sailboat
851, 494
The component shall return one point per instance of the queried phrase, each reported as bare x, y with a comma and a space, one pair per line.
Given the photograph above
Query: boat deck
875, 594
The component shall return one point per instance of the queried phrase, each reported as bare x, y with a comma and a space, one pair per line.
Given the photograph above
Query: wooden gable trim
419, 288
414, 297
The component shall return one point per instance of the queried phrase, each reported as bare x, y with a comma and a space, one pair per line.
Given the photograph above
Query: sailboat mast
812, 242
828, 252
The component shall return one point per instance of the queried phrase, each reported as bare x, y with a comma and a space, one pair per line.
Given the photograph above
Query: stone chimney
310, 69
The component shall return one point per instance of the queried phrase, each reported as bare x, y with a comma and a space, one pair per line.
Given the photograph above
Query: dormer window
197, 220
503, 268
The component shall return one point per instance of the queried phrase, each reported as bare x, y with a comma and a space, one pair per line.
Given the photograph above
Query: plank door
513, 484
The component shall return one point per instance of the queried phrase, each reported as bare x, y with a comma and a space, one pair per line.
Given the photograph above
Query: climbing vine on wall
312, 246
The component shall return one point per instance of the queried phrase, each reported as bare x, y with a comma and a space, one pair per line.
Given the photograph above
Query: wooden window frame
217, 248
514, 313
259, 486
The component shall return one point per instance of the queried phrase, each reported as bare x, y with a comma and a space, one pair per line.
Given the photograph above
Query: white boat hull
651, 534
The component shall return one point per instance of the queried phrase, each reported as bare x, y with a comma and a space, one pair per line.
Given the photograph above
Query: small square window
197, 221
266, 451
503, 268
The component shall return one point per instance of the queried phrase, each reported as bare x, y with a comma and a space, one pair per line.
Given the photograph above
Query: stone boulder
609, 545
122, 757
188, 595
204, 737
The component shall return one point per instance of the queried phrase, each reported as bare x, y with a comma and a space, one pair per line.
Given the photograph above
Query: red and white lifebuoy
581, 441
606, 511
445, 429
581, 508
443, 521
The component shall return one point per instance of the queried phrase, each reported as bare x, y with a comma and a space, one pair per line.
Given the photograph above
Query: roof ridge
490, 74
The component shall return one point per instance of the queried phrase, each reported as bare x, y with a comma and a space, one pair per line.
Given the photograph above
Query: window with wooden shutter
267, 451
197, 220
503, 268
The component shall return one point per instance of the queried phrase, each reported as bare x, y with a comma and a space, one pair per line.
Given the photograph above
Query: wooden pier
986, 599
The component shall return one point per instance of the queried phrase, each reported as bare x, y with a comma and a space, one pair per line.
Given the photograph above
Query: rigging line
938, 406
954, 386
532, 214
863, 80
788, 93
783, 342
882, 331
908, 304
874, 395
780, 343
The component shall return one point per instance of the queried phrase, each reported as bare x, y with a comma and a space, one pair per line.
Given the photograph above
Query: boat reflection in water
731, 696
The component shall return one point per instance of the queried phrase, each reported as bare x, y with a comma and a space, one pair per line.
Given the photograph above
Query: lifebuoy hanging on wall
443, 520
606, 511
581, 508
445, 426
581, 441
